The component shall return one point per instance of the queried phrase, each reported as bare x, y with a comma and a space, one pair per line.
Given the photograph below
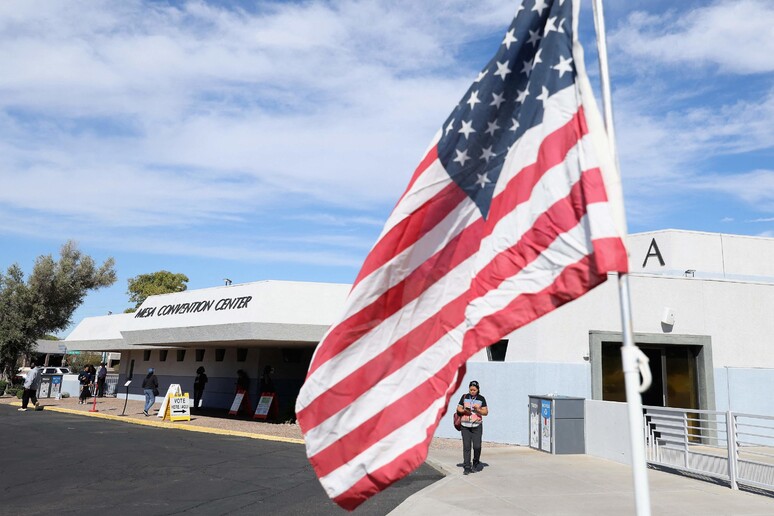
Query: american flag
505, 219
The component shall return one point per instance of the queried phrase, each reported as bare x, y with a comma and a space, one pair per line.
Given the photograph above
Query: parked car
55, 370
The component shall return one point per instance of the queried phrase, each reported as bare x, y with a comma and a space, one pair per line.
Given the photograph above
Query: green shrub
3, 383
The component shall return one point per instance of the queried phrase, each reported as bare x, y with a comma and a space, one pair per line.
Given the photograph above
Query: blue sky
270, 140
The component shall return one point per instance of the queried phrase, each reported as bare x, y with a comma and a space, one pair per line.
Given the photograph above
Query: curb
171, 426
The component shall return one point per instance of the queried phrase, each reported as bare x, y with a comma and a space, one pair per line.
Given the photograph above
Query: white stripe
383, 452
567, 249
388, 390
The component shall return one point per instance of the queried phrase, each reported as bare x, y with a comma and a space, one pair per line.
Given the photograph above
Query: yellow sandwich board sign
179, 408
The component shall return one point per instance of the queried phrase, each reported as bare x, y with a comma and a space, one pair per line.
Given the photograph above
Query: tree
45, 302
162, 282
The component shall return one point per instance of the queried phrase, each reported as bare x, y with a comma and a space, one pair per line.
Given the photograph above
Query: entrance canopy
260, 312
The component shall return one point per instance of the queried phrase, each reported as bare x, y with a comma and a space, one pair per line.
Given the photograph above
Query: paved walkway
521, 481
515, 480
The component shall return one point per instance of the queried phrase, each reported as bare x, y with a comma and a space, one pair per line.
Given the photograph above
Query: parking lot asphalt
69, 464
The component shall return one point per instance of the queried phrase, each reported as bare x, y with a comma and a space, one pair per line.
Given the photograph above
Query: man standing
31, 384
101, 376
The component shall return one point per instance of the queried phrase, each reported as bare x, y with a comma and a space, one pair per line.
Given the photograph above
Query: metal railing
733, 447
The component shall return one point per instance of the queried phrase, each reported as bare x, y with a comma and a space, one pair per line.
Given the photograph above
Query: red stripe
552, 151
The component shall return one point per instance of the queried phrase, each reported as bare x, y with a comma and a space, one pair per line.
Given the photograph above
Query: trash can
556, 424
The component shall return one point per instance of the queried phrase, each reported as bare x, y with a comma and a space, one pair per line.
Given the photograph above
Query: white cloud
732, 34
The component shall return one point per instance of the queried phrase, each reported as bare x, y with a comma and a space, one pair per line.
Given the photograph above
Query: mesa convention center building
703, 313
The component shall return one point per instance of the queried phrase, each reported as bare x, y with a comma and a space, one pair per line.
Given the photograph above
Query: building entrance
674, 370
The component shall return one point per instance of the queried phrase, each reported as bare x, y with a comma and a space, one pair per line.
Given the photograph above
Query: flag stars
509, 38
483, 179
473, 99
487, 154
522, 95
467, 128
481, 75
539, 6
537, 59
527, 68
543, 97
491, 128
514, 125
564, 65
534, 37
499, 98
550, 26
502, 69
462, 157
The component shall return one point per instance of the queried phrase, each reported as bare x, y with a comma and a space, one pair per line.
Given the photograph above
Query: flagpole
629, 352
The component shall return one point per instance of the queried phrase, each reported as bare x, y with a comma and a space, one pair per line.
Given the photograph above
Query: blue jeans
150, 399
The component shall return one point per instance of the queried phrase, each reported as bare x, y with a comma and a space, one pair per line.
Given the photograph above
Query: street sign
62, 348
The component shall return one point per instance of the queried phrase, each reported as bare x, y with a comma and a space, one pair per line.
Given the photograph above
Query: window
146, 355
241, 354
163, 355
219, 354
200, 355
496, 352
180, 355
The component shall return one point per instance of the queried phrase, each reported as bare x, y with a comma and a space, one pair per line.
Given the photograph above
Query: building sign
209, 305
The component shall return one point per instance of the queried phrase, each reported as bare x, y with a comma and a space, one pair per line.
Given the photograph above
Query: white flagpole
630, 354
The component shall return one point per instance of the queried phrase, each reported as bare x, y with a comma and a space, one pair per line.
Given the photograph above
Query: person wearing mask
150, 386
31, 384
199, 382
101, 377
472, 407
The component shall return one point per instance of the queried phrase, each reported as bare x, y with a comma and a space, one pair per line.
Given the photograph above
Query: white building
702, 312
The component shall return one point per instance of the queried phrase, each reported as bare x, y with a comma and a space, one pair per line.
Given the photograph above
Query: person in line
31, 384
150, 386
85, 379
242, 382
199, 382
101, 377
267, 387
472, 407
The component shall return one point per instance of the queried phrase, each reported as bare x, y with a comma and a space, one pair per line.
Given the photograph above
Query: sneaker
476, 465
145, 412
467, 471
22, 409
37, 404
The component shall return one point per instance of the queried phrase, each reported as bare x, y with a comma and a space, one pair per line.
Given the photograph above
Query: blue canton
533, 62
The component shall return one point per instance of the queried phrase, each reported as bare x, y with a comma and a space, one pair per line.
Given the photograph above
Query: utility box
556, 424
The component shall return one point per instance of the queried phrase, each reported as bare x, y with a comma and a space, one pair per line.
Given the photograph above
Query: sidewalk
515, 480
521, 481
